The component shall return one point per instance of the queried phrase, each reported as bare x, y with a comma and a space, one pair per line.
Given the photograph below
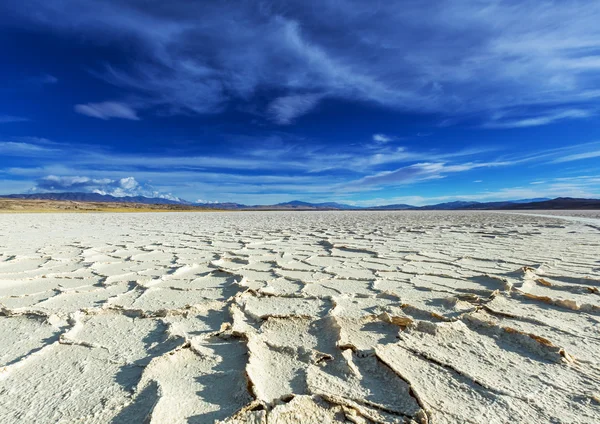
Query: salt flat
314, 317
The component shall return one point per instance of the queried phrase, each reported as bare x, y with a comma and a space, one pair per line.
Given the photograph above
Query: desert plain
300, 317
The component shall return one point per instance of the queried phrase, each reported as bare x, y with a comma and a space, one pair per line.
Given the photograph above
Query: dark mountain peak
294, 203
399, 206
459, 204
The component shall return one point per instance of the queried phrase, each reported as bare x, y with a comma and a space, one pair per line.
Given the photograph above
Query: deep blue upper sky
364, 102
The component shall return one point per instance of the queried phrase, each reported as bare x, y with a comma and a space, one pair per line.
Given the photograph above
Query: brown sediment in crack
539, 339
562, 303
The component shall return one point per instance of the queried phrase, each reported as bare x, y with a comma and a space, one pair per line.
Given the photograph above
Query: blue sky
362, 102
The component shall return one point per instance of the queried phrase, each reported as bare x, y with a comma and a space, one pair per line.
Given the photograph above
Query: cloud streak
7, 119
579, 156
539, 120
107, 110
283, 171
382, 138
420, 172
534, 54
284, 110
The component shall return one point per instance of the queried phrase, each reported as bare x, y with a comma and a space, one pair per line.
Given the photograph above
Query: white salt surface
292, 317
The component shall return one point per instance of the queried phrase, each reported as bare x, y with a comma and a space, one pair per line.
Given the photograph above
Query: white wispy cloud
578, 156
284, 110
24, 149
6, 119
581, 187
420, 172
44, 79
382, 138
107, 110
539, 120
450, 57
279, 172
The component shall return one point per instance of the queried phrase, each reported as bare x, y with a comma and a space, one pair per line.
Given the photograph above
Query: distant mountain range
521, 204
95, 197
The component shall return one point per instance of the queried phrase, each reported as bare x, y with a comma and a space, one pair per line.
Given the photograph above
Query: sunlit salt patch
27, 301
358, 307
482, 265
92, 256
394, 275
305, 276
25, 287
301, 409
392, 286
205, 386
114, 269
189, 271
281, 287
48, 269
346, 286
320, 351
50, 386
454, 397
572, 279
199, 321
67, 383
481, 285
439, 256
296, 266
365, 381
214, 280
292, 332
45, 286
152, 256
263, 307
319, 290
351, 272
262, 263
427, 267
275, 372
258, 275
151, 275
126, 251
573, 297
580, 342
377, 264
325, 261
73, 300
487, 356
185, 256
222, 245
362, 334
62, 253
157, 299
23, 335
106, 330
230, 263
542, 311
20, 265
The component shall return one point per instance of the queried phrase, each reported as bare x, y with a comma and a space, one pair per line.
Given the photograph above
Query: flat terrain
26, 205
300, 317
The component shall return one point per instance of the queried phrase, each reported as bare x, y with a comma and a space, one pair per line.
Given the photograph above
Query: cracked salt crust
363, 317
